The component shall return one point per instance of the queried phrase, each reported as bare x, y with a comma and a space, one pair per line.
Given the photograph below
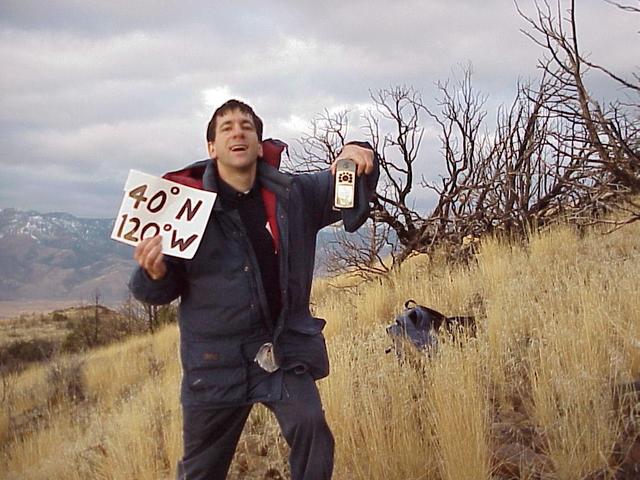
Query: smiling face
236, 146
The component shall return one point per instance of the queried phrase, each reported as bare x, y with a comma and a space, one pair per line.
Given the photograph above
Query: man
246, 333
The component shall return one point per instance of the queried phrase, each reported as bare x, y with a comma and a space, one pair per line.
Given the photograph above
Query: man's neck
241, 180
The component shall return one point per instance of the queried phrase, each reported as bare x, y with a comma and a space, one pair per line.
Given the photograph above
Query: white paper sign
152, 206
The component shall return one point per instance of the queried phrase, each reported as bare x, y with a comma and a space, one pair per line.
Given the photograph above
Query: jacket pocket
215, 370
304, 349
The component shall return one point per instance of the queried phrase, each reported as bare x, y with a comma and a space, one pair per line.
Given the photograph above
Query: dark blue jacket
222, 294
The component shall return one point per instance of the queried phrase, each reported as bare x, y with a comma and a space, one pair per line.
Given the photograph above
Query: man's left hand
363, 157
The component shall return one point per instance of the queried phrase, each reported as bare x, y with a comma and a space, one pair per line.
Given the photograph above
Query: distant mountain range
47, 256
59, 256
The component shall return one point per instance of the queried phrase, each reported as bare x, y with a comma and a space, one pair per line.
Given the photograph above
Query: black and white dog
421, 326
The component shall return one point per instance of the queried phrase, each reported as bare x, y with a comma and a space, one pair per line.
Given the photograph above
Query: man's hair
229, 106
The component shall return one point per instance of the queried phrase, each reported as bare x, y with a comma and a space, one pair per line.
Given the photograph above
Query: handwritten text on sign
153, 206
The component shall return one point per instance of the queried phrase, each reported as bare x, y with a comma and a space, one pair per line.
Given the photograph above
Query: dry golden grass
50, 326
559, 330
127, 425
31, 327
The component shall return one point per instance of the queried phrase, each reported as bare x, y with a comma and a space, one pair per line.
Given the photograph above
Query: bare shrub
66, 381
555, 154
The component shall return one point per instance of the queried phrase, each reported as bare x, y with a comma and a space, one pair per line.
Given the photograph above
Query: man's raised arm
319, 187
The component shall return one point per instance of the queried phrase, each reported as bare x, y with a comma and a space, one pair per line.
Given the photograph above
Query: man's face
236, 147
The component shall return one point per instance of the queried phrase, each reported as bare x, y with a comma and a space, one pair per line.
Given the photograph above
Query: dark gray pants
211, 435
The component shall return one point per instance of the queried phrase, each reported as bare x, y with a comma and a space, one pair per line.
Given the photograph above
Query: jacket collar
202, 175
274, 185
271, 178
274, 180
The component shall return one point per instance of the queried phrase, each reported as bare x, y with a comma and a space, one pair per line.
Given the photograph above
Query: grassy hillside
538, 394
53, 326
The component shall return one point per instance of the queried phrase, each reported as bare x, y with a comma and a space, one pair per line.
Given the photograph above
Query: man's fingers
158, 264
149, 256
145, 246
363, 158
157, 267
152, 255
364, 163
368, 166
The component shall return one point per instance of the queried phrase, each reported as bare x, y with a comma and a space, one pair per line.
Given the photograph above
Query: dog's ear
413, 316
409, 302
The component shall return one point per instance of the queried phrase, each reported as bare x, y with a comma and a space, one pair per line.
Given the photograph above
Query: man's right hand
149, 256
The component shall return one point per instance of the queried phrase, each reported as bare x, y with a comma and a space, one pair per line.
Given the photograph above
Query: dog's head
421, 325
417, 324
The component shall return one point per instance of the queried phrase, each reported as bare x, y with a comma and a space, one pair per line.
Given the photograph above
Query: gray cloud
94, 88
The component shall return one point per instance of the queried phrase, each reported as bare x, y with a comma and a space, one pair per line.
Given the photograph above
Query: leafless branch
555, 153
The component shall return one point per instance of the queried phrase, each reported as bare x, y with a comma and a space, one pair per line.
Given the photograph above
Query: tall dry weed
459, 410
558, 330
378, 411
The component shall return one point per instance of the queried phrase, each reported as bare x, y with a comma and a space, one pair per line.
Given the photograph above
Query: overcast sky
90, 89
